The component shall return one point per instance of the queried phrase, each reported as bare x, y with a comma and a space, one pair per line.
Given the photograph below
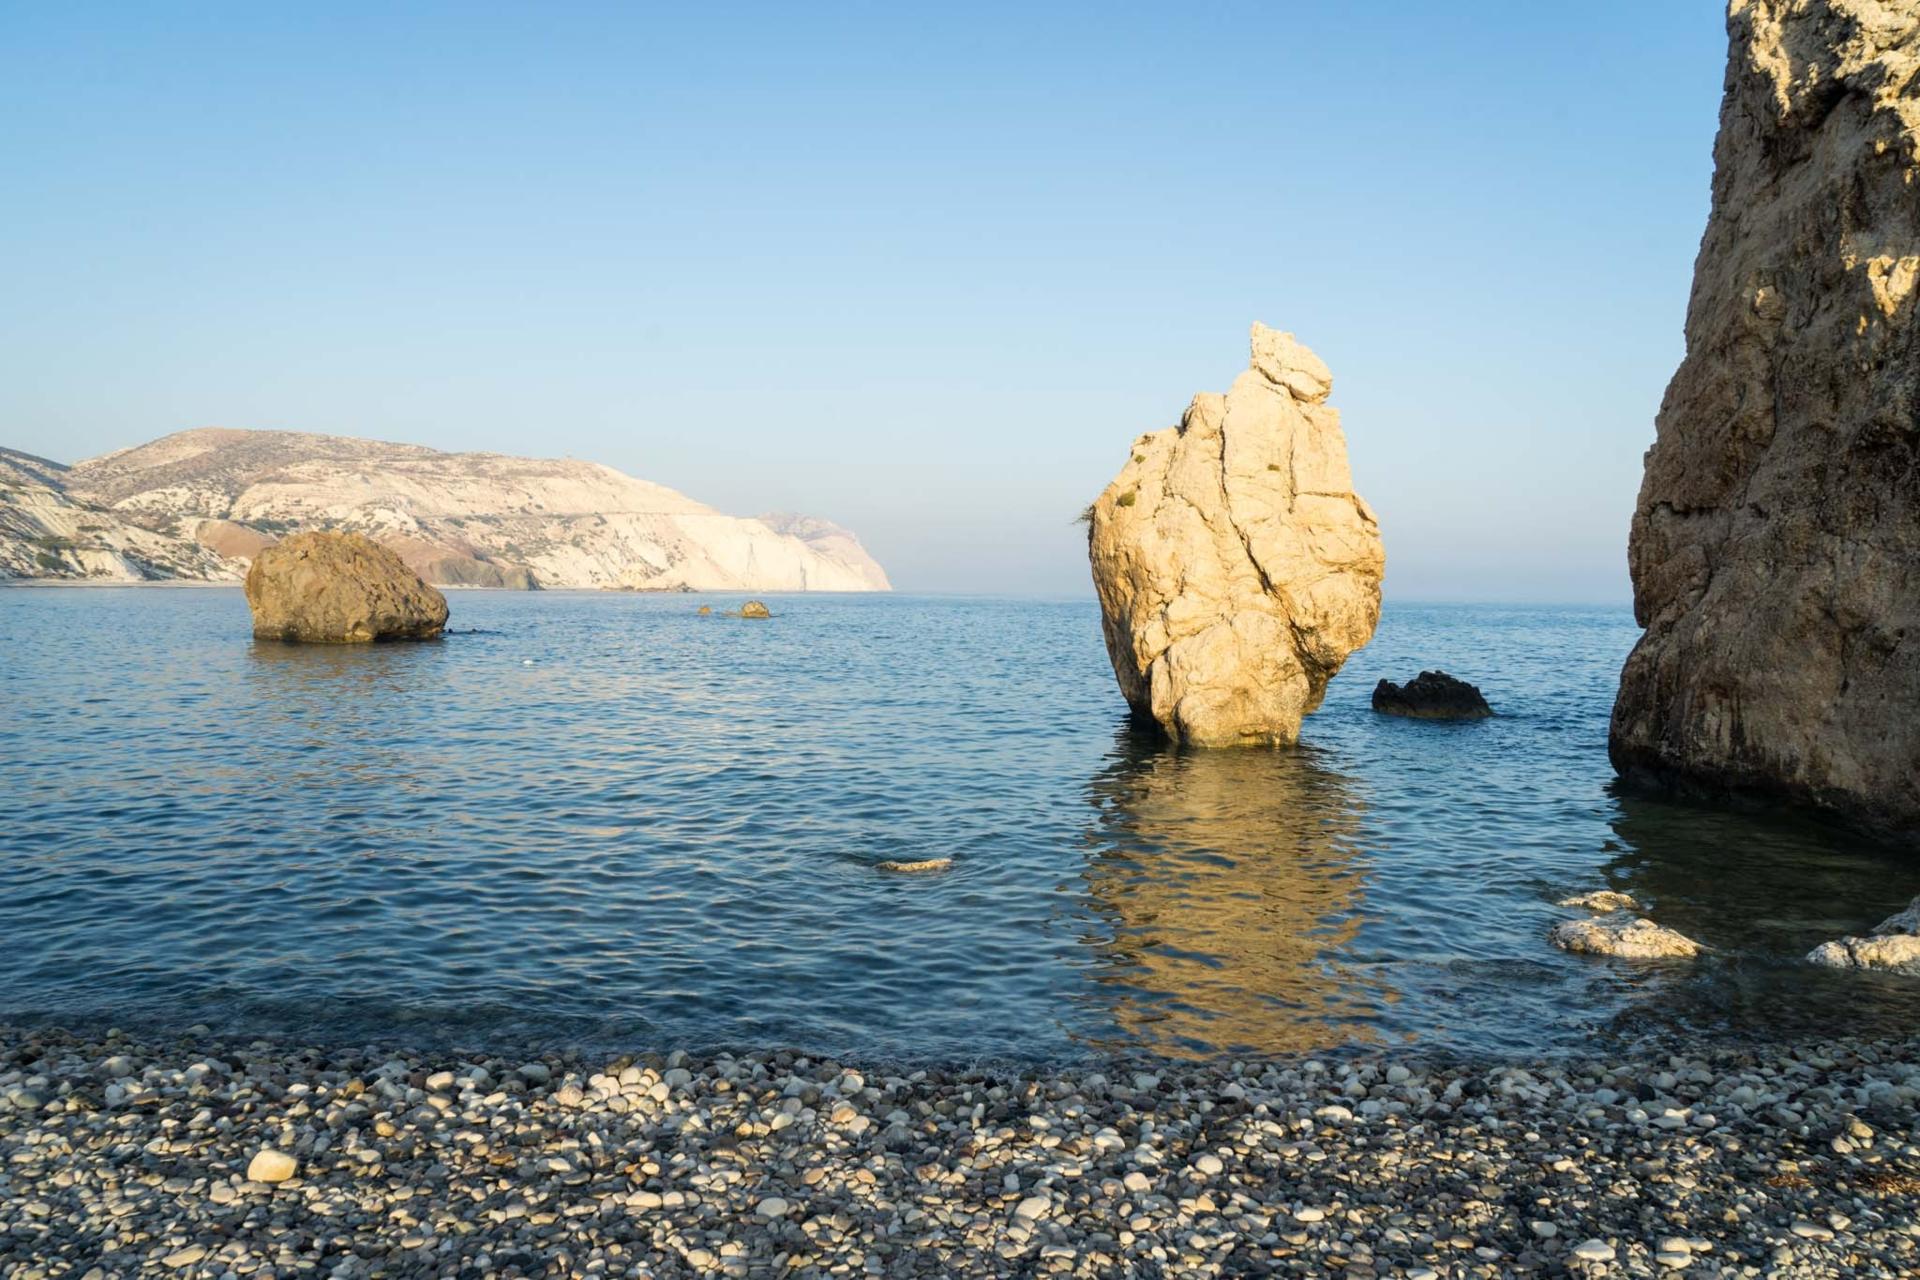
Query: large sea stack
1776, 546
339, 588
1235, 565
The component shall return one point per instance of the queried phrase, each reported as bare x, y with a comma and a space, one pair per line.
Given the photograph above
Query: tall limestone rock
1235, 565
1776, 546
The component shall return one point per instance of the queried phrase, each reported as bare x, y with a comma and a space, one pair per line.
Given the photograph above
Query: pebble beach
191, 1157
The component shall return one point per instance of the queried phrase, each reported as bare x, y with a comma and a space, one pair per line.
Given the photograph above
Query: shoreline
132, 1155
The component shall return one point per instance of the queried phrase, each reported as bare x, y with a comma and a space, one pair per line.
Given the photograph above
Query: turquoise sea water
601, 818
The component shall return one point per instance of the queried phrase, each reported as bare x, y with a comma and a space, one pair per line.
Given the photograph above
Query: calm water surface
603, 818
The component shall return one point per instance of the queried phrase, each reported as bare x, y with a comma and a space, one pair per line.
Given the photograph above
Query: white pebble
271, 1166
1594, 1251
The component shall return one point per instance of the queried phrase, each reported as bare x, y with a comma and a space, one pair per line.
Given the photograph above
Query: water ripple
603, 817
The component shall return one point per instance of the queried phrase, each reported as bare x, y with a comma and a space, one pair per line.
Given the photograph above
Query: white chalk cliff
45, 533
210, 499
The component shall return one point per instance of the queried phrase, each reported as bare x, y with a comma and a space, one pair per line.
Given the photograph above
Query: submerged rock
1431, 695
1602, 900
1894, 944
1236, 567
1897, 953
339, 588
917, 866
1623, 936
1775, 551
1905, 920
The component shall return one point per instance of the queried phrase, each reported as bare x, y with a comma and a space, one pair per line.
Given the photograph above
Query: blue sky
926, 273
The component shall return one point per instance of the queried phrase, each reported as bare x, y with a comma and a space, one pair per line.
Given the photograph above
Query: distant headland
196, 506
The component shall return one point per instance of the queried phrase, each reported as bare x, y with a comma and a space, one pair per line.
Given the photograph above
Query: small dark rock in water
1431, 695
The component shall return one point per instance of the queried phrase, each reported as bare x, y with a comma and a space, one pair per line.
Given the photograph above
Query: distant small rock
1623, 937
1431, 695
922, 865
1893, 945
1602, 900
754, 609
705, 610
339, 588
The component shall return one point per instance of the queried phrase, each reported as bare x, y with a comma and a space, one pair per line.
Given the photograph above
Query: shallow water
599, 817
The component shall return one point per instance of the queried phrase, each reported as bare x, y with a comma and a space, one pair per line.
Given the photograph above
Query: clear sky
925, 272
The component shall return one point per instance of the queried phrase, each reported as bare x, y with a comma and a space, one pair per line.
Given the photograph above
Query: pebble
1594, 1251
269, 1165
769, 1164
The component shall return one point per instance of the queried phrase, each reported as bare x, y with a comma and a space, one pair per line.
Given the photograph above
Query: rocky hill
46, 533
199, 504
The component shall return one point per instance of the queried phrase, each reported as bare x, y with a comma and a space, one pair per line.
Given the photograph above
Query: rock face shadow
1222, 884
1762, 886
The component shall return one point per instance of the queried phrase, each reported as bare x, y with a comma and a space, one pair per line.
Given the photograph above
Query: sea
602, 819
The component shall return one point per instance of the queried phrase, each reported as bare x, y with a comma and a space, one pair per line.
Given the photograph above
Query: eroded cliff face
1775, 549
45, 533
201, 504
1236, 567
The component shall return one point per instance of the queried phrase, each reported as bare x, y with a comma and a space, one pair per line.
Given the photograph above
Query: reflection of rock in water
1226, 878
384, 702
